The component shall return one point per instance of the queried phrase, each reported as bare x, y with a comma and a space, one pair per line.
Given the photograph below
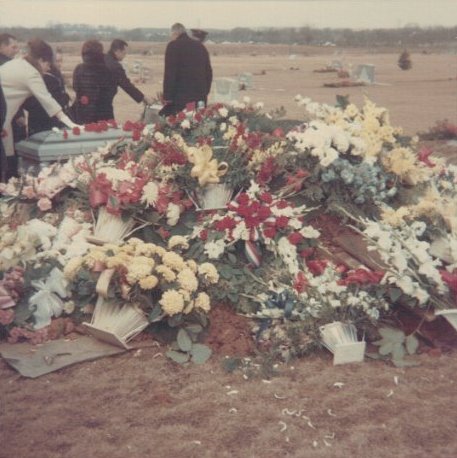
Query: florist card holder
341, 339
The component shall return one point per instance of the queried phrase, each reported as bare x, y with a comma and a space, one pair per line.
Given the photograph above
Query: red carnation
204, 235
266, 197
84, 100
76, 130
282, 222
300, 282
243, 199
317, 266
295, 238
269, 232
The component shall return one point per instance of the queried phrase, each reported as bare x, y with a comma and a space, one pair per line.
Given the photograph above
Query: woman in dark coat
38, 119
94, 86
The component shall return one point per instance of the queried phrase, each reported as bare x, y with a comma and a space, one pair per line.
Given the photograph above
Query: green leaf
200, 353
398, 352
155, 313
232, 258
175, 320
184, 340
233, 297
392, 335
177, 356
412, 343
386, 348
194, 328
394, 294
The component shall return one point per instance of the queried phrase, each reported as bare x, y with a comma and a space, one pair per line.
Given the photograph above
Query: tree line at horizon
405, 36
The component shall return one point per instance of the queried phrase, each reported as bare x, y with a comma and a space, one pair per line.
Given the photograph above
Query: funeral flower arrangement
258, 247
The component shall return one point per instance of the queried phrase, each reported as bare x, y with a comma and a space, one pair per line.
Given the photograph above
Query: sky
228, 14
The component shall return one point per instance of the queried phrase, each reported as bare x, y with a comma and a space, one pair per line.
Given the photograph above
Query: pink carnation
44, 204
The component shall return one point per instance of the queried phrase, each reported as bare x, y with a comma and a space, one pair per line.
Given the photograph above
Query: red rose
84, 100
243, 199
136, 135
204, 235
300, 282
317, 267
76, 131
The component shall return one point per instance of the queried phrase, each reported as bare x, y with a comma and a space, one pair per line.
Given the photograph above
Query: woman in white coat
22, 78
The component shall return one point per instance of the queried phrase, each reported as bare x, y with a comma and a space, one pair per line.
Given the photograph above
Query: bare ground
139, 404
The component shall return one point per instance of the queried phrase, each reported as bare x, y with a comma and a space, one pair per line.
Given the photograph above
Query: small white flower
185, 124
214, 249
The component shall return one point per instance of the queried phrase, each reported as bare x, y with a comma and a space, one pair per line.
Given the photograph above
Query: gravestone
225, 90
137, 67
245, 80
43, 148
364, 73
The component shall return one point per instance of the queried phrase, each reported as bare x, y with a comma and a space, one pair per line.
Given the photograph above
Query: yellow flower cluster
208, 272
150, 266
259, 156
178, 241
404, 163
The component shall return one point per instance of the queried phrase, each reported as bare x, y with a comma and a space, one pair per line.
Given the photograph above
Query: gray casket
40, 149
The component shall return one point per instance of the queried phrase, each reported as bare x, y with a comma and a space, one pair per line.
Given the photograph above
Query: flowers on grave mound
409, 264
160, 280
328, 292
260, 221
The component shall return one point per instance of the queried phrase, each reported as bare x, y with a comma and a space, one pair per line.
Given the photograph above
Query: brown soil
140, 404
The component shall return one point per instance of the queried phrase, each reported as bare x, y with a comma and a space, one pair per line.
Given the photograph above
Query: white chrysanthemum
214, 249
174, 261
309, 232
223, 112
150, 193
173, 212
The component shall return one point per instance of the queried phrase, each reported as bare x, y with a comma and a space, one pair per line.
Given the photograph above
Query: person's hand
147, 100
21, 121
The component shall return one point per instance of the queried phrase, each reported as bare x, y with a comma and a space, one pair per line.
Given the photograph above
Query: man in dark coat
113, 58
188, 73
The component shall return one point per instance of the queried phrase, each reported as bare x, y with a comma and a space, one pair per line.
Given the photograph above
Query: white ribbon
47, 299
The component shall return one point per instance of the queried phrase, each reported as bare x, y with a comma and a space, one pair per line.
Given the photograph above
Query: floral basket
213, 196
116, 323
110, 228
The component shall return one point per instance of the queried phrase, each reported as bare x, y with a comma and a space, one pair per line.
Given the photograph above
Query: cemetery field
415, 98
140, 404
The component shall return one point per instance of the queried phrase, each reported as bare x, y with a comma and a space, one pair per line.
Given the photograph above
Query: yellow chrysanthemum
178, 241
202, 302
173, 260
193, 266
138, 270
395, 218
209, 272
72, 267
188, 280
149, 282
172, 302
166, 273
119, 260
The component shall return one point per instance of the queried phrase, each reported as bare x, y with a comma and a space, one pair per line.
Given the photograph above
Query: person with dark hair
188, 74
22, 78
38, 119
94, 86
113, 59
9, 47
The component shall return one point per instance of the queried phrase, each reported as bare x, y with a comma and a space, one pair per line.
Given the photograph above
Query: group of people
33, 97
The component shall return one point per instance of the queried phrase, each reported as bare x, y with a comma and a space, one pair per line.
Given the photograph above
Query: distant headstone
337, 64
364, 73
245, 80
225, 90
137, 67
